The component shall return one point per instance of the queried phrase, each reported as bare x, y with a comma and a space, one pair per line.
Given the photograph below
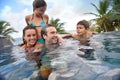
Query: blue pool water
66, 64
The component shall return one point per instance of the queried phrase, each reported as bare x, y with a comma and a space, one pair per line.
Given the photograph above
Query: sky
68, 11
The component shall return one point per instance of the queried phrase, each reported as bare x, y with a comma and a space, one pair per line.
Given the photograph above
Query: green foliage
99, 30
105, 16
115, 6
116, 10
5, 31
58, 25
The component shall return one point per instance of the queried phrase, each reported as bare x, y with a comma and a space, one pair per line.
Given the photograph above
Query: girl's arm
27, 19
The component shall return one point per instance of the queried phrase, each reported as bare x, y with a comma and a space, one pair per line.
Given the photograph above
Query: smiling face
30, 37
81, 30
51, 36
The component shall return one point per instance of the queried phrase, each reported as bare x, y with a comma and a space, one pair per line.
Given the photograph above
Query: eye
53, 32
34, 35
28, 35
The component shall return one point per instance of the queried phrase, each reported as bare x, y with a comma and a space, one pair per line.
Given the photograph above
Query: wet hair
44, 29
85, 23
38, 3
27, 28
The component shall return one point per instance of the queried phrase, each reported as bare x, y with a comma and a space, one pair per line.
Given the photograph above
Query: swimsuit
42, 24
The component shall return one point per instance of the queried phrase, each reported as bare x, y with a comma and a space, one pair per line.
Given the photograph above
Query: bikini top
42, 24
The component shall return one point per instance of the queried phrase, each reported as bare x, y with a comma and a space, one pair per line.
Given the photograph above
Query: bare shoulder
46, 16
28, 17
74, 35
89, 34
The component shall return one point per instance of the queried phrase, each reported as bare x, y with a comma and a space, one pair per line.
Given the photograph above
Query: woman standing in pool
38, 19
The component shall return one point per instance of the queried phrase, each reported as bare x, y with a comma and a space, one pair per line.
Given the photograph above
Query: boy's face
30, 37
81, 30
52, 36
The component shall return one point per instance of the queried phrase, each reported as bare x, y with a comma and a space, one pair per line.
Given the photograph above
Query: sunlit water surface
66, 64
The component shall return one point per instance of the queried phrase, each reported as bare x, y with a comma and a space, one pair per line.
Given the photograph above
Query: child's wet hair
85, 23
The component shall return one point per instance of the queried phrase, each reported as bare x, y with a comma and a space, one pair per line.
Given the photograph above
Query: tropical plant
58, 25
103, 16
116, 10
5, 31
115, 6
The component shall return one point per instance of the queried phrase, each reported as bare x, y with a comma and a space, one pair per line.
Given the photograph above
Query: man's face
52, 36
30, 37
81, 30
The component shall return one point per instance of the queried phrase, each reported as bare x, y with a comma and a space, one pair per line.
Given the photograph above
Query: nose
55, 34
32, 37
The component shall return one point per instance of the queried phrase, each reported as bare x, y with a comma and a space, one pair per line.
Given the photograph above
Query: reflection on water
108, 47
14, 65
66, 62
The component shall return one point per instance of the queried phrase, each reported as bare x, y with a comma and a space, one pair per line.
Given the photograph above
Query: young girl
38, 19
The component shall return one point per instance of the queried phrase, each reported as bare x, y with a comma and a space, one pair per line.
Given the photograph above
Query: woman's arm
27, 19
46, 17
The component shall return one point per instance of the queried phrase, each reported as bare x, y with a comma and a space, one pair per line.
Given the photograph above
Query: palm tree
5, 31
116, 10
58, 25
103, 16
116, 6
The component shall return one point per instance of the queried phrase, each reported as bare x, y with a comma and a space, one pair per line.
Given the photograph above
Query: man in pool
52, 40
49, 34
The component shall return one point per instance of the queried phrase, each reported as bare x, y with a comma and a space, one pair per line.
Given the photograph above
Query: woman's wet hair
85, 23
44, 31
39, 3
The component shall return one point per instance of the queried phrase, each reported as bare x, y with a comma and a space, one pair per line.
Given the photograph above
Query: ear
44, 36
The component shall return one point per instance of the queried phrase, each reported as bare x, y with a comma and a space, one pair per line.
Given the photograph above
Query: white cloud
16, 20
25, 2
67, 11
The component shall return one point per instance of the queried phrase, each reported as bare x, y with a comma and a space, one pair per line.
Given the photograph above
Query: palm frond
5, 30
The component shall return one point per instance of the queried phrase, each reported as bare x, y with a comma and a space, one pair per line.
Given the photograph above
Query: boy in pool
82, 30
83, 34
